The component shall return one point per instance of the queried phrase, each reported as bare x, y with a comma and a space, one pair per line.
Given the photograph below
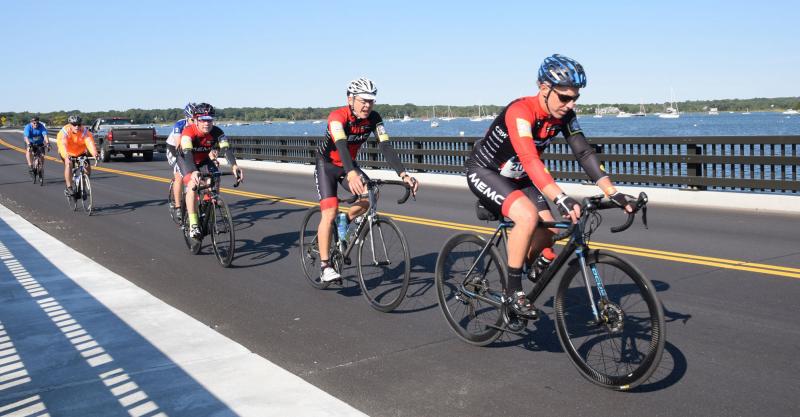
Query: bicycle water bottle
341, 226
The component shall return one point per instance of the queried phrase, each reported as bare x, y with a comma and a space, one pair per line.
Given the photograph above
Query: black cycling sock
514, 280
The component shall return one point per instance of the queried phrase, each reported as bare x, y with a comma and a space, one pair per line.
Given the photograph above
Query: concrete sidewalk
78, 340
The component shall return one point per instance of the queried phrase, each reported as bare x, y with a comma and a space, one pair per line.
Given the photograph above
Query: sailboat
747, 111
597, 113
449, 116
477, 118
671, 112
434, 123
642, 112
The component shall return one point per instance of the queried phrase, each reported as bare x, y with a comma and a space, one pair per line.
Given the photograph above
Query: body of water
689, 124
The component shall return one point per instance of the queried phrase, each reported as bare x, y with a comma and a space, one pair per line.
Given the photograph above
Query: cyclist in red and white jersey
506, 172
348, 129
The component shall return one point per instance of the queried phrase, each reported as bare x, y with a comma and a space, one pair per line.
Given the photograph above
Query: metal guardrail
730, 163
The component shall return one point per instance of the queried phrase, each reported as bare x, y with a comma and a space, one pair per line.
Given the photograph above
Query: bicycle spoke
384, 265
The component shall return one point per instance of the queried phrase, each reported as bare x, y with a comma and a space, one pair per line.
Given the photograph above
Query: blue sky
102, 55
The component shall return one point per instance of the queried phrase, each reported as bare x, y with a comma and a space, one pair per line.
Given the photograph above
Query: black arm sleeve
391, 156
187, 166
344, 155
229, 156
586, 156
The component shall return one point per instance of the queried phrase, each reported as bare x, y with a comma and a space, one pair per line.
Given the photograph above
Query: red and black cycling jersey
517, 137
196, 145
343, 125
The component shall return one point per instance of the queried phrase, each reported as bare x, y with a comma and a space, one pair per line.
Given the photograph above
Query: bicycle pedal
347, 261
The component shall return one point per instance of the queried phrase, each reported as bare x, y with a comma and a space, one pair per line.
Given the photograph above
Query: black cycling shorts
492, 189
327, 175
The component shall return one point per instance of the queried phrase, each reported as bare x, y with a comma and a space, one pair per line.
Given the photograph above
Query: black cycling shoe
523, 307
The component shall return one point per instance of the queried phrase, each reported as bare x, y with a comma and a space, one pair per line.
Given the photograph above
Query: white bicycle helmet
363, 88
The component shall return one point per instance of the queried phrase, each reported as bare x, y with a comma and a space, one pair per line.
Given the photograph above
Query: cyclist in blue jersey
173, 143
35, 134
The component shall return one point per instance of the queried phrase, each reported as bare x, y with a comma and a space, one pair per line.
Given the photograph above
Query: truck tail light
110, 136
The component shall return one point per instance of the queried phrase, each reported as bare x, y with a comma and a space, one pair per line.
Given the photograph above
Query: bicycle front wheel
623, 348
85, 194
309, 248
222, 233
40, 170
384, 265
473, 319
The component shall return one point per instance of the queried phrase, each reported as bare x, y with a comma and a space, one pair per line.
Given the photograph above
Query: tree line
261, 114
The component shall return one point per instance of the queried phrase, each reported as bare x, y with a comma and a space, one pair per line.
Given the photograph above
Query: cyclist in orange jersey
73, 140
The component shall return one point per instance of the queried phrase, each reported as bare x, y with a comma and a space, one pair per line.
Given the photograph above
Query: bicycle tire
309, 250
220, 227
460, 310
40, 170
628, 349
86, 194
383, 289
72, 202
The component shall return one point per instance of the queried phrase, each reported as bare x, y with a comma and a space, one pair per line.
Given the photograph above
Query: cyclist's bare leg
525, 216
28, 156
358, 208
176, 189
191, 201
67, 172
324, 230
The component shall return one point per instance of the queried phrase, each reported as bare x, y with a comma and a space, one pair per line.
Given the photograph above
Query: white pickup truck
117, 135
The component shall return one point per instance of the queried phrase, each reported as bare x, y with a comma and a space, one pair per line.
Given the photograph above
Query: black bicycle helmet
74, 120
203, 109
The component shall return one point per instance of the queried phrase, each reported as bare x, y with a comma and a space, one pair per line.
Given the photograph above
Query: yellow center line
629, 250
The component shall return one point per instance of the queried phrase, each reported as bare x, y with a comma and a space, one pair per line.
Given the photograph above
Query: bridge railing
732, 163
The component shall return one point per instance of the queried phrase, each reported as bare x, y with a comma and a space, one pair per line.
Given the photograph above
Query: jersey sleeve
186, 138
520, 131
336, 122
380, 128
27, 131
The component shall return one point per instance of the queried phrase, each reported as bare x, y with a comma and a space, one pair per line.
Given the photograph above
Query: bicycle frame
576, 245
368, 218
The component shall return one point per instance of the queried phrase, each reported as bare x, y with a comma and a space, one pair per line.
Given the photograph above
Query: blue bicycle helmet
559, 70
189, 110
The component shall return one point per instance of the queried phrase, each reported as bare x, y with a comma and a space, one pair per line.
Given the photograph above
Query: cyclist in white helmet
348, 128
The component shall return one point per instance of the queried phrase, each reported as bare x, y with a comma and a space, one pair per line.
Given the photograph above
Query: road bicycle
608, 317
214, 219
383, 260
81, 186
37, 163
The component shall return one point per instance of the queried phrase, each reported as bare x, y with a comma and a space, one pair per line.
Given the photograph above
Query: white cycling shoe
329, 274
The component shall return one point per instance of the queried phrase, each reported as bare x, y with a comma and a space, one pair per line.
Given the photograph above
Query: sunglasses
75, 124
566, 98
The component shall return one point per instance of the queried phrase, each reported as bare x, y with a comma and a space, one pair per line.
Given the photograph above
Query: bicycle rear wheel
85, 194
309, 249
623, 348
222, 233
384, 264
474, 321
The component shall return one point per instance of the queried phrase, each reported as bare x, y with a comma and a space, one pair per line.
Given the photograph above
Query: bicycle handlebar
594, 203
205, 175
376, 183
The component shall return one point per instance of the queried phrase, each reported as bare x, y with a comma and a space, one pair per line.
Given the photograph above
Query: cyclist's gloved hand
566, 205
621, 201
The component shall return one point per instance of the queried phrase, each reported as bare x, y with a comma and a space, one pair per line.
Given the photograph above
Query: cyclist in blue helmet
173, 142
506, 172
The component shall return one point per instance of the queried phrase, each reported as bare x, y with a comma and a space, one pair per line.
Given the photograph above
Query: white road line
246, 383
